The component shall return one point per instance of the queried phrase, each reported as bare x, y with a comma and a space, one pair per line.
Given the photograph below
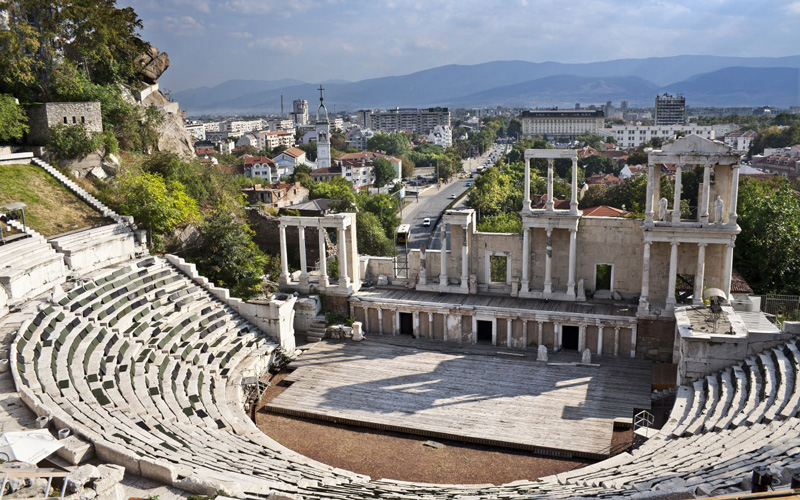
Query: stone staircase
316, 331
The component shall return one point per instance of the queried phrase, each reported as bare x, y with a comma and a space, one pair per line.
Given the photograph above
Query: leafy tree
335, 189
775, 137
228, 256
494, 193
767, 250
395, 143
301, 173
599, 164
93, 35
384, 207
637, 158
592, 140
383, 171
13, 119
408, 167
157, 205
506, 222
372, 239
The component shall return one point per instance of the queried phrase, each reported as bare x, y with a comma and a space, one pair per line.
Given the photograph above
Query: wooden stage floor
467, 393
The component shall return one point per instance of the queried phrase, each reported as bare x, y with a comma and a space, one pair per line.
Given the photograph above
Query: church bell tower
323, 134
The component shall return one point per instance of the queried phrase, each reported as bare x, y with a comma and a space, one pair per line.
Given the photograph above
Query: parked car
426, 221
452, 196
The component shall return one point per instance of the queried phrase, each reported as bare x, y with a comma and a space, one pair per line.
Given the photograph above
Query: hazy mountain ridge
704, 80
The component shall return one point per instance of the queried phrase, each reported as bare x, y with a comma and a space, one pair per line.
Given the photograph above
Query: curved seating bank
146, 363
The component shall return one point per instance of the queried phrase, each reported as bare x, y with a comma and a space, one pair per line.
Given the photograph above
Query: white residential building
358, 138
286, 162
633, 136
272, 140
238, 128
276, 124
441, 135
197, 131
248, 140
561, 125
740, 141
420, 121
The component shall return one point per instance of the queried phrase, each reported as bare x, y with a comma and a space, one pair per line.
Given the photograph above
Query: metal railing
783, 307
34, 473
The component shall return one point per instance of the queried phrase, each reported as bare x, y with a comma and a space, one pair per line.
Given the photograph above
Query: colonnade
532, 327
344, 224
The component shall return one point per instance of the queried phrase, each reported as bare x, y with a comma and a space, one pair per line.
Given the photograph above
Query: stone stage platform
468, 393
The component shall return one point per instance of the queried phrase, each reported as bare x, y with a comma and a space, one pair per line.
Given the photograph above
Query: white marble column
301, 231
648, 214
548, 265
443, 259
344, 278
732, 215
728, 270
380, 320
699, 275
366, 319
557, 331
704, 194
633, 341
550, 203
508, 332
572, 261
474, 333
524, 333
395, 322
284, 255
430, 325
323, 260
581, 338
465, 262
673, 274
644, 298
415, 326
616, 341
599, 339
526, 201
573, 203
494, 331
526, 258
676, 204
540, 332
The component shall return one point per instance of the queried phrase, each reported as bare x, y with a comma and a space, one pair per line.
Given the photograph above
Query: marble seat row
148, 366
28, 267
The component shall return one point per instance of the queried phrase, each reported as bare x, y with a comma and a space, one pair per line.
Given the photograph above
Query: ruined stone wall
44, 116
655, 340
268, 238
606, 240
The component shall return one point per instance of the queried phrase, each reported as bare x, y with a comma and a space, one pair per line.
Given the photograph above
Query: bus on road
403, 232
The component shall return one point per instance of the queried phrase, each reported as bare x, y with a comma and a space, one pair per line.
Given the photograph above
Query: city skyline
319, 40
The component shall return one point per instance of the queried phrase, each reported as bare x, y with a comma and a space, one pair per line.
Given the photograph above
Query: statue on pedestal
719, 208
662, 209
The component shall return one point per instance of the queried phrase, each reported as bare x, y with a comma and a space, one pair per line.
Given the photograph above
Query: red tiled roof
252, 160
603, 211
294, 152
738, 283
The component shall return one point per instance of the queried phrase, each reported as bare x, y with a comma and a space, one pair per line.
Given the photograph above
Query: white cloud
180, 26
241, 34
793, 8
286, 43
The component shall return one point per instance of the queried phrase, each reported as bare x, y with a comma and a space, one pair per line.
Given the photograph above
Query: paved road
432, 203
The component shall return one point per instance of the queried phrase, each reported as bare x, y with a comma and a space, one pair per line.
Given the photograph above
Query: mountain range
703, 80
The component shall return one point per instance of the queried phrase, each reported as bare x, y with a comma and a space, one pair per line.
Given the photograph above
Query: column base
548, 290
670, 305
465, 283
524, 288
571, 289
303, 280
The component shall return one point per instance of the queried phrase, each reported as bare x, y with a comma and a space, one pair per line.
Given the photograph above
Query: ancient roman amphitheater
143, 359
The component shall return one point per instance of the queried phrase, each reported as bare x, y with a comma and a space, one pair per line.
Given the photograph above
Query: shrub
67, 142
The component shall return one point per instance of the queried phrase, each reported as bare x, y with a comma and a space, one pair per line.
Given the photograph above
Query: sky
210, 42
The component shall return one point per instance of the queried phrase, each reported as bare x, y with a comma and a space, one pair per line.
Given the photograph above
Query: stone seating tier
147, 365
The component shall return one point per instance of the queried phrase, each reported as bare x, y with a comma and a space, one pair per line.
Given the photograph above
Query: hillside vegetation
52, 208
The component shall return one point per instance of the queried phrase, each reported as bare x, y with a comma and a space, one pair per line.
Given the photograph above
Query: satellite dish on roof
714, 293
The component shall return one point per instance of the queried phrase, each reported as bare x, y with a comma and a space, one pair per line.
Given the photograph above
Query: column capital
702, 244
674, 243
